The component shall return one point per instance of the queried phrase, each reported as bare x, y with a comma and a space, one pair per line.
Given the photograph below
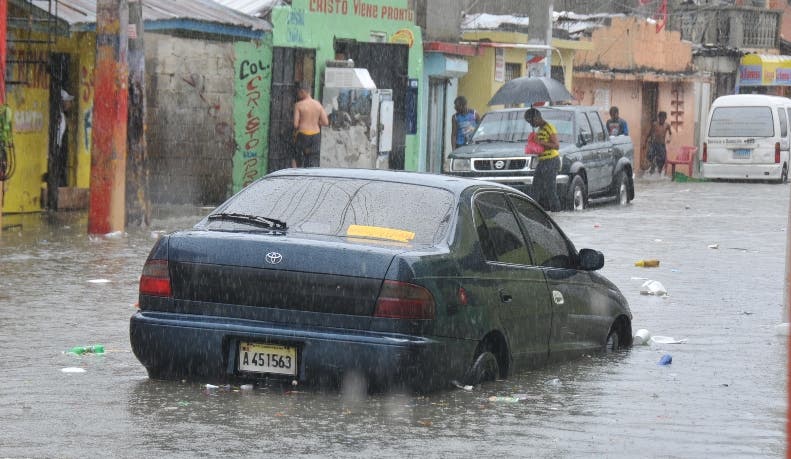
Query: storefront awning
765, 70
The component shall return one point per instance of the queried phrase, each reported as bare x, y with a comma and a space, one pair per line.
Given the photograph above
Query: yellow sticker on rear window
378, 232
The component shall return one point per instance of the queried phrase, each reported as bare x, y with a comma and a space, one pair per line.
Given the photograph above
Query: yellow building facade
505, 55
28, 97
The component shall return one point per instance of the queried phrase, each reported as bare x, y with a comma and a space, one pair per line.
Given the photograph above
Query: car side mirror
591, 260
581, 140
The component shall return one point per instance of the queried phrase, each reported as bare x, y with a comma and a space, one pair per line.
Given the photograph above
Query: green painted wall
316, 23
252, 83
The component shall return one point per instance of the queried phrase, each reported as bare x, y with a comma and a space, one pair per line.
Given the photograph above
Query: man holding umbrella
544, 180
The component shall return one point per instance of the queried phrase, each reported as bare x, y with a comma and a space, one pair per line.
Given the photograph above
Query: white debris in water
72, 370
99, 281
115, 235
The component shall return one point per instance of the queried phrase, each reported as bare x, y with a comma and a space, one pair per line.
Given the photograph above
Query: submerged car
406, 278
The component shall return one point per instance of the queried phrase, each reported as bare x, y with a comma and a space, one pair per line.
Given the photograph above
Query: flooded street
723, 394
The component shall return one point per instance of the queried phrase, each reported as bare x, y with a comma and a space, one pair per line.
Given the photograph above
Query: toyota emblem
273, 258
499, 164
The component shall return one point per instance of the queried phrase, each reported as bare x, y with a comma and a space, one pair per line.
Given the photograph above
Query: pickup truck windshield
510, 126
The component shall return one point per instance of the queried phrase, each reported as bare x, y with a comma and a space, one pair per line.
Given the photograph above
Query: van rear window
741, 122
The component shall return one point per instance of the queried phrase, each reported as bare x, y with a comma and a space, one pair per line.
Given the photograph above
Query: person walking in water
545, 189
465, 120
309, 116
656, 143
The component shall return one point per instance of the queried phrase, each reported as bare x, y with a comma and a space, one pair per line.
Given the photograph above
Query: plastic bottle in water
647, 263
79, 350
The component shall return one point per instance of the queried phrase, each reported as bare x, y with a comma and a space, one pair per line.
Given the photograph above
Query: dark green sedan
407, 278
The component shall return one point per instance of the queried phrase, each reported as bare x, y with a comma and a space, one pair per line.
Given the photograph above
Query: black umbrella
529, 90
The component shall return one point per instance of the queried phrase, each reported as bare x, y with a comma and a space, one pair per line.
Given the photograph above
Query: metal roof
259, 8
198, 15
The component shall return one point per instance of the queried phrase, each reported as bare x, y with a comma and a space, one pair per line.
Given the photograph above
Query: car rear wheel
613, 341
621, 188
784, 175
577, 198
483, 368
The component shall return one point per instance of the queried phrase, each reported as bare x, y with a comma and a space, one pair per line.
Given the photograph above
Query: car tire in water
577, 198
484, 368
784, 175
613, 342
621, 187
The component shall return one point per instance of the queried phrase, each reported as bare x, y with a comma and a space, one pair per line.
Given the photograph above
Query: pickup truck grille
497, 164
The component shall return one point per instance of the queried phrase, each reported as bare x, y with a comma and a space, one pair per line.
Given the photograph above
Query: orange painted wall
633, 44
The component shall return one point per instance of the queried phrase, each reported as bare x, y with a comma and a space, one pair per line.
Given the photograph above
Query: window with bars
512, 71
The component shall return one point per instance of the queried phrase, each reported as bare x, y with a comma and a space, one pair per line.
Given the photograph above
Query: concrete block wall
189, 123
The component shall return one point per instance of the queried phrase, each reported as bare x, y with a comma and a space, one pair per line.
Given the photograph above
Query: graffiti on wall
253, 78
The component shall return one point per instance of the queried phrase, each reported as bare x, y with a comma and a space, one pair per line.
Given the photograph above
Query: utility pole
3, 154
138, 209
539, 31
108, 152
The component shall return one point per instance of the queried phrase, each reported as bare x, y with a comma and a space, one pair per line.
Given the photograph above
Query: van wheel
577, 198
784, 175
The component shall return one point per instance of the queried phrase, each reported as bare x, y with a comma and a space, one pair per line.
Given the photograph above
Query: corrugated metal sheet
77, 12
258, 8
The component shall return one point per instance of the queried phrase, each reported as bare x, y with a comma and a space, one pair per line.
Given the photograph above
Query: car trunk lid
324, 274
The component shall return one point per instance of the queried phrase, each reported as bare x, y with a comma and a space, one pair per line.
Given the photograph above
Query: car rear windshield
510, 126
367, 209
741, 122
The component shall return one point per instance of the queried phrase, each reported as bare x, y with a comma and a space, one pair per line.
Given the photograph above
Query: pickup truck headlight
460, 165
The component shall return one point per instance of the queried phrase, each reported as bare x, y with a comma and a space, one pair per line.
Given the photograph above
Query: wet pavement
723, 394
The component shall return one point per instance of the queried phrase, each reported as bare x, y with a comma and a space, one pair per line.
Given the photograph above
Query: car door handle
505, 297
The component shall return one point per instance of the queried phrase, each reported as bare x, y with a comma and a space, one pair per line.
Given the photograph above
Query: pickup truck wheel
577, 198
621, 188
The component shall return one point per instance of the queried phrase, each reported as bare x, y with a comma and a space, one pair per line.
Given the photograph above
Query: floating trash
73, 370
641, 337
666, 359
99, 281
653, 287
666, 340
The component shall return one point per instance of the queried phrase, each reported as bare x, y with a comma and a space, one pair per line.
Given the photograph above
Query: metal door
437, 103
289, 65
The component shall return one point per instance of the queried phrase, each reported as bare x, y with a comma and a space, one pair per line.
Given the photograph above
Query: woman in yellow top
545, 190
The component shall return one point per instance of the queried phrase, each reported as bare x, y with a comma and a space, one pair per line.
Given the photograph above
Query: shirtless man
656, 140
309, 116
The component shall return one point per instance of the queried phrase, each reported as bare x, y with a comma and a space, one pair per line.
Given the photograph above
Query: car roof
750, 99
451, 183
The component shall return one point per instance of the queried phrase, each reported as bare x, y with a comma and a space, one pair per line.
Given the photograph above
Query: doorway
58, 151
437, 116
289, 67
650, 98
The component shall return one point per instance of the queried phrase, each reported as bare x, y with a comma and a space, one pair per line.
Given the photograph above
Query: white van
747, 138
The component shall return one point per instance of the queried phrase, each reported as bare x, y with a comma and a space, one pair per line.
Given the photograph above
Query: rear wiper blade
263, 222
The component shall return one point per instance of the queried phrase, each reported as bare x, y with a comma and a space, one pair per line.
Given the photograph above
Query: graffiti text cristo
361, 9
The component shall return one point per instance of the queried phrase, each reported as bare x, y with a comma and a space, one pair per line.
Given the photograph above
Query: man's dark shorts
308, 149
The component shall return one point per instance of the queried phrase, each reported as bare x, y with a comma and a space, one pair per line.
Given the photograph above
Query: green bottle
79, 350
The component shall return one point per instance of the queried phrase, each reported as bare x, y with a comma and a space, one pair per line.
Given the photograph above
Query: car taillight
705, 155
777, 152
400, 300
155, 279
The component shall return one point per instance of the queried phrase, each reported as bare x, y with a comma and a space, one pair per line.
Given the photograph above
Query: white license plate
267, 358
741, 153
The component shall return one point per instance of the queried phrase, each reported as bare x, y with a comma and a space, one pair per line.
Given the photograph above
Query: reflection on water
723, 394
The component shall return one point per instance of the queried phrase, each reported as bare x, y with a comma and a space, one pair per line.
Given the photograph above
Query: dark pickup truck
593, 164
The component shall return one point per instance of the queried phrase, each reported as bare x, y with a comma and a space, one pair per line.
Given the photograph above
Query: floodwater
724, 393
